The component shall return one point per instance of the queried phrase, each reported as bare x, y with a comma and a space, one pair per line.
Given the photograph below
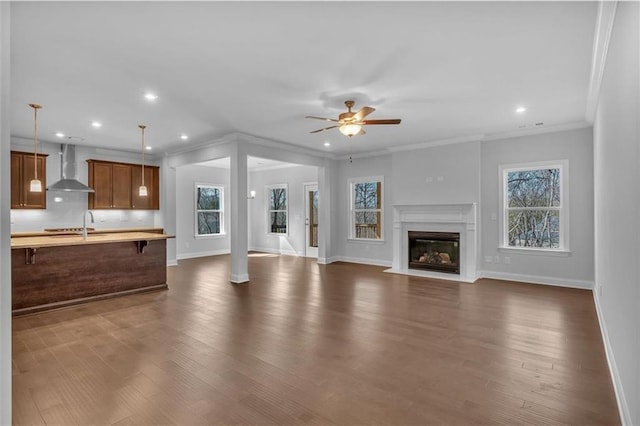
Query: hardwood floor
315, 344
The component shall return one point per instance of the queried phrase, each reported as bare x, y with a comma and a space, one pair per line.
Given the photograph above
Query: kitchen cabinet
22, 172
116, 186
151, 181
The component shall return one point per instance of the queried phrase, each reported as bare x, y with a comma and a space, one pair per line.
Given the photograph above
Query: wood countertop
89, 231
36, 241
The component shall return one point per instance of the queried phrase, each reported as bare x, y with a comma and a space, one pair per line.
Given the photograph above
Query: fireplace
434, 251
457, 219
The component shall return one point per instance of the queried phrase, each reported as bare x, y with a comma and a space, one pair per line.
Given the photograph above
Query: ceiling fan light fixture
350, 129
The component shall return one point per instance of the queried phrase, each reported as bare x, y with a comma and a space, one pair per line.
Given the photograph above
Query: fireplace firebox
435, 251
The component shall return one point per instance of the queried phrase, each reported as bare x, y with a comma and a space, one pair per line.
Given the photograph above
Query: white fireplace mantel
461, 218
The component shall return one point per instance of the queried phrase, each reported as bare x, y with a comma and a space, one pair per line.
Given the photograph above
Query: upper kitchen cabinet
116, 186
22, 172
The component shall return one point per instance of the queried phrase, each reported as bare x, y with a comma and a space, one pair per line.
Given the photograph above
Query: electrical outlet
494, 216
507, 260
429, 179
488, 259
496, 259
186, 245
440, 178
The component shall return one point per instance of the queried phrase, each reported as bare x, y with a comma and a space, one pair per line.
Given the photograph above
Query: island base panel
75, 274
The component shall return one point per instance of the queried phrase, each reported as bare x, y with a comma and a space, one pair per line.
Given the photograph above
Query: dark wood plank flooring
314, 344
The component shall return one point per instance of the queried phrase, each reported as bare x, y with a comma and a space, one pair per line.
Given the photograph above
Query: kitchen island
53, 271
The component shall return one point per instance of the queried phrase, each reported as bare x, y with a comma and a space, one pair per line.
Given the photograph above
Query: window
209, 210
534, 206
366, 208
277, 214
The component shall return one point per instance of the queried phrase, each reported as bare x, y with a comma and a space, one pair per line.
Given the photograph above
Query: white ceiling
448, 69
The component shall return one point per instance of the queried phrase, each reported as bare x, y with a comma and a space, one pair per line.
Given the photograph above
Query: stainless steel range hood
68, 172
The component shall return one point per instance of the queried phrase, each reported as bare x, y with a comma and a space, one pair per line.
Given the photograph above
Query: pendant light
35, 185
142, 191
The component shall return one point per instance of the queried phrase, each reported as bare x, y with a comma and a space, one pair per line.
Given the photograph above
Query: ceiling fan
350, 123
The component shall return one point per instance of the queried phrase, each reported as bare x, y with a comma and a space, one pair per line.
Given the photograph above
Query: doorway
311, 219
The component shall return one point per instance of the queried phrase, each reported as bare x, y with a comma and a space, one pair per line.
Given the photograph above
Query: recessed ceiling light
520, 110
184, 137
148, 148
60, 134
327, 144
150, 96
96, 124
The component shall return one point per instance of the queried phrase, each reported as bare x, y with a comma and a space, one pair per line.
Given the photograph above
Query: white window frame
268, 189
352, 210
563, 209
196, 210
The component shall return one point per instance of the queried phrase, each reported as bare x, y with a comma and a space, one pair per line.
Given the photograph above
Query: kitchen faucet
84, 223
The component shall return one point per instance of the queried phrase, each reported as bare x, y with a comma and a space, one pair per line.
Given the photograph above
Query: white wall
439, 175
617, 208
295, 177
69, 210
575, 270
187, 244
374, 252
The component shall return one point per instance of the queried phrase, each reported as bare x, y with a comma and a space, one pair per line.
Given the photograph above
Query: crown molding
272, 143
194, 147
537, 131
601, 39
364, 154
439, 142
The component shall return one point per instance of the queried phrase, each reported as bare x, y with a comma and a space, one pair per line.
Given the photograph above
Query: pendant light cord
142, 128
35, 139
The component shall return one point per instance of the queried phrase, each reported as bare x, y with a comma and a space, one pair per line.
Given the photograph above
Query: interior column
324, 211
239, 215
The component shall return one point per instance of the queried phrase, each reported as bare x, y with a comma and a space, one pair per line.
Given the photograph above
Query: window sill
273, 234
535, 252
208, 237
365, 240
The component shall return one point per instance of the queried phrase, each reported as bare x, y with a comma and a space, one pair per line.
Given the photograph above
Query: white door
311, 219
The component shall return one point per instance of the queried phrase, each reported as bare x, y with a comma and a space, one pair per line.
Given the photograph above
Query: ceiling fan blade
361, 132
364, 111
383, 121
322, 130
322, 118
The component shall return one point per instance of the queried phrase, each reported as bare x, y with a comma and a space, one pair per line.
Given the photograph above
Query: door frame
308, 251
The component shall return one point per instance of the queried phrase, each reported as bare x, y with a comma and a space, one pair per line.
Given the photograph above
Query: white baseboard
172, 262
536, 279
623, 407
202, 254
